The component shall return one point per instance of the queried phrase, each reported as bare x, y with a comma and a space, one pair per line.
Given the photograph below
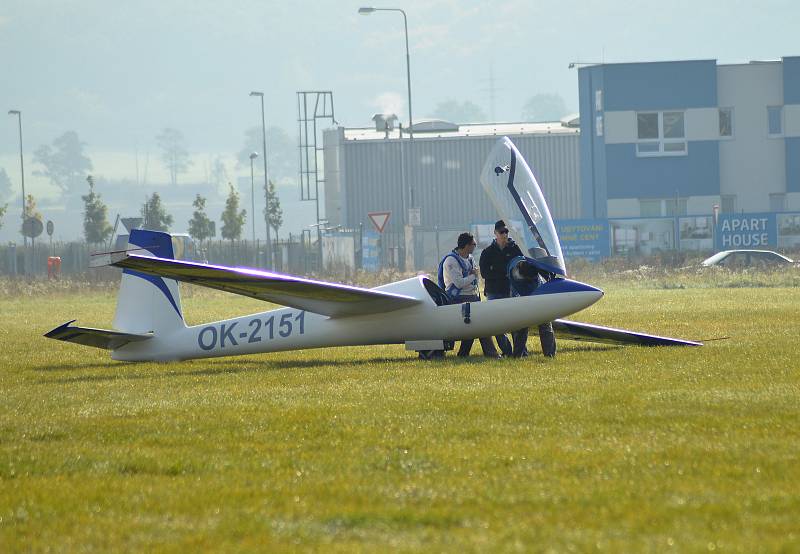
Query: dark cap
500, 225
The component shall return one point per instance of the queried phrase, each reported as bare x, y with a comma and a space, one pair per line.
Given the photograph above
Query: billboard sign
584, 238
736, 231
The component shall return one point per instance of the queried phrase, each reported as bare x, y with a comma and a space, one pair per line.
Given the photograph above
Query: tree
30, 208
5, 185
200, 226
174, 153
64, 163
96, 229
544, 107
154, 214
30, 212
459, 112
273, 213
281, 152
219, 174
5, 193
232, 218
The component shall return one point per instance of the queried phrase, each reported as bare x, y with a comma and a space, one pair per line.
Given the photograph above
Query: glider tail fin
147, 303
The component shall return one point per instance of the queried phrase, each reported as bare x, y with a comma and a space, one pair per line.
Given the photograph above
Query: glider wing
574, 330
331, 299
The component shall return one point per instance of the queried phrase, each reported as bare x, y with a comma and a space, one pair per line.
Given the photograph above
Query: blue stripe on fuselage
564, 285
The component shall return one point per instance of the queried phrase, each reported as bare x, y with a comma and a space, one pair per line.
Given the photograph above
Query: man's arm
483, 263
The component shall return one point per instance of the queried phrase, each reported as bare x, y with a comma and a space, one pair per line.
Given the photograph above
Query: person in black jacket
494, 270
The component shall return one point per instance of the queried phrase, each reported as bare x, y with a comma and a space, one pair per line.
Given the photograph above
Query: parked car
736, 259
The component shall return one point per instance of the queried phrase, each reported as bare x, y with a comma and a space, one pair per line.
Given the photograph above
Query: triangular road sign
131, 223
379, 219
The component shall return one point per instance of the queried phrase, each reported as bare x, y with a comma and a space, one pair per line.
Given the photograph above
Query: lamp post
253, 156
266, 181
369, 10
21, 168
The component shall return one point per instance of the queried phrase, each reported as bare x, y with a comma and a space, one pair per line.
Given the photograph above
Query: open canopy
514, 191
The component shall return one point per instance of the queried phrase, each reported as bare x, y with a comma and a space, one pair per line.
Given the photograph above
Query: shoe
493, 356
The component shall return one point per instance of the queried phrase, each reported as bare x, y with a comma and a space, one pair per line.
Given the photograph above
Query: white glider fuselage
149, 324
292, 329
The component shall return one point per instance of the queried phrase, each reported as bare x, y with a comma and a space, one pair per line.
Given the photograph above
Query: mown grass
368, 449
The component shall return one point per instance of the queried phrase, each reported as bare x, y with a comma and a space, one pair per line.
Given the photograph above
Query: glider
149, 323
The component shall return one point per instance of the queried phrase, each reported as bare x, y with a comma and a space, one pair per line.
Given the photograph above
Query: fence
295, 255
341, 253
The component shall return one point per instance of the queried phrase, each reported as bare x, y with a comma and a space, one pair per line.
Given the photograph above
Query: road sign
32, 227
379, 219
50, 228
131, 223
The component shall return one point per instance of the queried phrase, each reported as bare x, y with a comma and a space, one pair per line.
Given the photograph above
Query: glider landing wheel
429, 355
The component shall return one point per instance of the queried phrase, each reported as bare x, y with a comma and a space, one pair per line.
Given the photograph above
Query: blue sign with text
584, 238
370, 255
735, 231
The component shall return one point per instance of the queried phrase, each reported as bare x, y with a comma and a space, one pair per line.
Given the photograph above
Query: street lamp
369, 10
266, 182
253, 156
21, 168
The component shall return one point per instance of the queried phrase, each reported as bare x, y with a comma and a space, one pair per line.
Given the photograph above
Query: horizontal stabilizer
331, 299
98, 338
574, 330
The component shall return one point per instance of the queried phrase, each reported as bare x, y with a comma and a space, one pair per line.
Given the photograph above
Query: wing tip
63, 327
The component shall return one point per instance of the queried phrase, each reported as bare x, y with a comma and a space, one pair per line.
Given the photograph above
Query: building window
726, 122
777, 202
728, 202
775, 120
648, 125
669, 206
660, 207
650, 208
660, 134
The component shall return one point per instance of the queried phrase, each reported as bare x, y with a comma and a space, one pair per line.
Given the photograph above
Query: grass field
368, 449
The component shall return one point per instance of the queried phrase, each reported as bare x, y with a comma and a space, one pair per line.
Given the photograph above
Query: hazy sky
118, 72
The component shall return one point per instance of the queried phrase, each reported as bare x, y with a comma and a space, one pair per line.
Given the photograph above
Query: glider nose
587, 294
577, 286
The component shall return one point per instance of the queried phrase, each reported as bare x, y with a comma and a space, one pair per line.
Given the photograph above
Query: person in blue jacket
459, 279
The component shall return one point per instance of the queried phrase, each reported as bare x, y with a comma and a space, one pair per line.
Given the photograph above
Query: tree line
65, 164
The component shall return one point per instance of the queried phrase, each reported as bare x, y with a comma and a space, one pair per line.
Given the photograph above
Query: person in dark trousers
494, 270
459, 278
527, 277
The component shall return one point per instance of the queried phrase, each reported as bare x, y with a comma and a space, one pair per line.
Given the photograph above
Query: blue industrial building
678, 155
689, 140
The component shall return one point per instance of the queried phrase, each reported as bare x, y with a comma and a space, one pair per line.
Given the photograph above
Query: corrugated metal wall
443, 178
